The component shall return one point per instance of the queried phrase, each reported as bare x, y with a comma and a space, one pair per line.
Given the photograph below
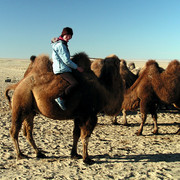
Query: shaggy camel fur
38, 89
96, 67
141, 95
167, 84
154, 85
127, 76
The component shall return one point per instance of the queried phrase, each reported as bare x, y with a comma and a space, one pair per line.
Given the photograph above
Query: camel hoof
125, 124
22, 156
115, 123
40, 155
88, 161
138, 133
155, 132
76, 156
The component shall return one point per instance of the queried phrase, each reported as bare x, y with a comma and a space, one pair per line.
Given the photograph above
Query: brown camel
38, 89
129, 79
167, 84
96, 67
127, 76
141, 95
154, 85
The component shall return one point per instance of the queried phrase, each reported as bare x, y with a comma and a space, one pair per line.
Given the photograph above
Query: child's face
67, 37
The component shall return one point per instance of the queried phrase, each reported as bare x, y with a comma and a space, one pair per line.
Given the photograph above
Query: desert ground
118, 153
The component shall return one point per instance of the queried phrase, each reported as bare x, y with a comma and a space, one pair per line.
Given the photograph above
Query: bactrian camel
36, 92
127, 76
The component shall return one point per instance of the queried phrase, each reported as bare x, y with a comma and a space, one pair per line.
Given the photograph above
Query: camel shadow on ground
137, 158
106, 158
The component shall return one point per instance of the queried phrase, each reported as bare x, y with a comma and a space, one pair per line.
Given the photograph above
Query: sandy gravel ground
117, 151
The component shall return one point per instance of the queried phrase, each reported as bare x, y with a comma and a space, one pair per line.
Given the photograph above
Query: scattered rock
8, 80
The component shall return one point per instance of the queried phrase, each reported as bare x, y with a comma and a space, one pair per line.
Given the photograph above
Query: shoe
60, 102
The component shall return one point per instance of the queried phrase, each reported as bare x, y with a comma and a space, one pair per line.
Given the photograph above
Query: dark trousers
72, 83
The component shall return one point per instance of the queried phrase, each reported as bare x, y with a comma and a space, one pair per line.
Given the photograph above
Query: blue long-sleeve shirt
61, 58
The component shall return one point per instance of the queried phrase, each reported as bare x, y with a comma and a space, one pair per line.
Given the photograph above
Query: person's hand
80, 69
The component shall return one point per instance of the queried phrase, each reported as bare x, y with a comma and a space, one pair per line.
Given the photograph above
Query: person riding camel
63, 65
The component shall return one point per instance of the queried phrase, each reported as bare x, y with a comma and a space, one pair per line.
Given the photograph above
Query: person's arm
65, 56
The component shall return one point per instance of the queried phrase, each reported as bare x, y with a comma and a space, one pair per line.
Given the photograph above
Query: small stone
8, 80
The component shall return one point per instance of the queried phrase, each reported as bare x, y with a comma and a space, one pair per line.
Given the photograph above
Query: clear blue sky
131, 29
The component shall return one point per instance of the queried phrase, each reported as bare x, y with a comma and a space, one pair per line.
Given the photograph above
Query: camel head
96, 65
128, 77
110, 70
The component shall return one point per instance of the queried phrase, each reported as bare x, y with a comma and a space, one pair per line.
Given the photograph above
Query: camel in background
128, 79
167, 84
36, 92
153, 86
141, 94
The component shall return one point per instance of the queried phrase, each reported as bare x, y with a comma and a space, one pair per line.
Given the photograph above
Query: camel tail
11, 87
8, 97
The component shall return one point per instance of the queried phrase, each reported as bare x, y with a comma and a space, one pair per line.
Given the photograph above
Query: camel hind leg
17, 120
177, 105
143, 117
143, 110
22, 106
154, 116
28, 128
